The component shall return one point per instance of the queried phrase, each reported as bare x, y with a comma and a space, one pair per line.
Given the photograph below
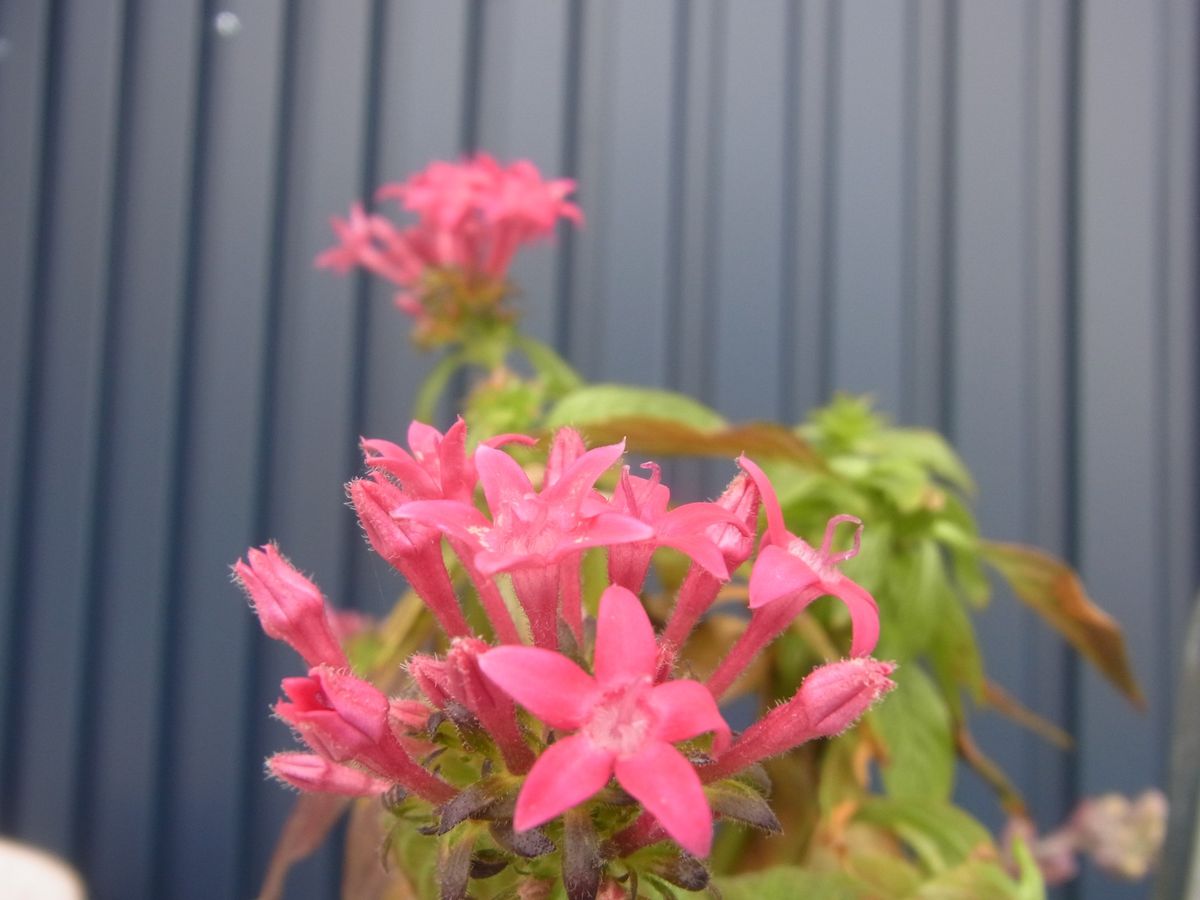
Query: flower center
621, 720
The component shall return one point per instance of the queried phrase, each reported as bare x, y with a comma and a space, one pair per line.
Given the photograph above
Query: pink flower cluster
472, 217
599, 704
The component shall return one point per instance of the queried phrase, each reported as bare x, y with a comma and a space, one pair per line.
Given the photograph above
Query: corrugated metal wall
983, 213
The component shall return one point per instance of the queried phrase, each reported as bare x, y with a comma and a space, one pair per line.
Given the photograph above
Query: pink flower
473, 216
684, 528
787, 566
531, 532
290, 607
622, 723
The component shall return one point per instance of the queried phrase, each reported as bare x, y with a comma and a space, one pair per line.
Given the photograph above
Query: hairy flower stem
427, 576
696, 595
489, 595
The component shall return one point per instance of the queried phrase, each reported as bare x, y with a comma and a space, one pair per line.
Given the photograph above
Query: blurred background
983, 214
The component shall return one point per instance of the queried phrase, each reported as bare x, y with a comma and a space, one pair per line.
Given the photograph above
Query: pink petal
669, 788
625, 646
613, 528
864, 614
579, 477
567, 773
459, 519
777, 531
546, 683
686, 709
776, 574
700, 550
503, 479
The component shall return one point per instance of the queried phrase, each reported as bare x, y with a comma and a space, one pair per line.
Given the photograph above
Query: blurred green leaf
788, 883
980, 880
599, 403
916, 728
954, 654
913, 599
939, 834
1054, 591
926, 448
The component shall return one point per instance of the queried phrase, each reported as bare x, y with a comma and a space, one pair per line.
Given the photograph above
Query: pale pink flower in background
622, 723
473, 216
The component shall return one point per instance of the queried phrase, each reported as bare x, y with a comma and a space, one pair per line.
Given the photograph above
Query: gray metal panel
619, 322
207, 738
23, 109
52, 582
868, 275
131, 544
989, 328
523, 83
1120, 380
420, 84
831, 175
311, 439
749, 240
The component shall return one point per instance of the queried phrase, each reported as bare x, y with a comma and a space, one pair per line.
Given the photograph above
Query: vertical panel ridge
248, 820
25, 468
98, 503
180, 456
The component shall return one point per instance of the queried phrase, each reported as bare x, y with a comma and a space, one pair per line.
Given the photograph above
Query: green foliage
915, 727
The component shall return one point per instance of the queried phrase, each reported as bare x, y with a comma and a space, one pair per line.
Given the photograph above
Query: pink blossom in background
472, 218
622, 723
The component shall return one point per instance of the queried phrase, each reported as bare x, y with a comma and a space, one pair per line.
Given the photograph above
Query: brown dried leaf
645, 434
1054, 591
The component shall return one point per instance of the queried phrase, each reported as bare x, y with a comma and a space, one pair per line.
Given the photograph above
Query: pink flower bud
741, 498
289, 606
829, 701
432, 677
314, 773
396, 541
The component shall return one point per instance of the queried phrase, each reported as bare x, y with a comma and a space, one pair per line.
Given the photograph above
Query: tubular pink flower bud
315, 773
289, 606
411, 548
346, 719
829, 701
432, 677
491, 706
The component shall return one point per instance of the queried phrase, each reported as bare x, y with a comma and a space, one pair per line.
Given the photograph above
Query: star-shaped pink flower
623, 724
788, 566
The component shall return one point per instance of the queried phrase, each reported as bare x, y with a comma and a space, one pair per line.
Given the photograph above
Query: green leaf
434, 385
928, 449
1054, 591
939, 834
913, 599
916, 728
954, 654
980, 880
605, 402
790, 882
